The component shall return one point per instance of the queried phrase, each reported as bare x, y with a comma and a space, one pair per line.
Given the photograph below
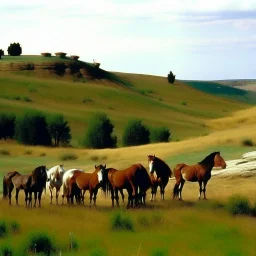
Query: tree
99, 132
31, 129
159, 134
59, 129
14, 49
7, 126
171, 78
1, 53
135, 133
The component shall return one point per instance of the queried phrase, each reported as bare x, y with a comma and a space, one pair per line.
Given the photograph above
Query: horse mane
158, 160
209, 159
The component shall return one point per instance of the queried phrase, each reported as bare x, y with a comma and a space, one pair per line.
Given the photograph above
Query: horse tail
177, 169
175, 191
5, 189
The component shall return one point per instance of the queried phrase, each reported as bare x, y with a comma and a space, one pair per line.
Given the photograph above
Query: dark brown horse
200, 172
30, 183
90, 181
134, 179
161, 177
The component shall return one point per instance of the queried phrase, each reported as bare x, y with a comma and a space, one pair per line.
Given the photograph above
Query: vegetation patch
247, 143
121, 222
68, 156
238, 205
159, 252
28, 152
3, 229
15, 227
6, 250
4, 152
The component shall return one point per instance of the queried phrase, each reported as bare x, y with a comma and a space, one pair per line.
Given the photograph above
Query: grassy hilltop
181, 108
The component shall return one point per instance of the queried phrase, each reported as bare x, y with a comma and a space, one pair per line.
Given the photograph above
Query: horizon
196, 40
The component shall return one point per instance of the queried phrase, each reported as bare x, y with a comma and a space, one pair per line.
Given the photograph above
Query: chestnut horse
162, 174
134, 179
200, 172
30, 183
89, 181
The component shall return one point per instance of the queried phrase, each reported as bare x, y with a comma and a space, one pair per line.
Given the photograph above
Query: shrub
28, 152
27, 99
247, 142
73, 243
3, 229
68, 156
4, 152
59, 130
31, 129
60, 54
14, 49
86, 100
7, 126
15, 227
159, 252
171, 77
184, 103
160, 134
253, 210
1, 53
42, 154
6, 250
120, 222
99, 132
135, 133
74, 57
144, 221
41, 243
238, 205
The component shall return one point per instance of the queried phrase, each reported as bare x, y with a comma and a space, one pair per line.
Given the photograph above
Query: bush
41, 243
135, 133
31, 129
159, 252
59, 129
171, 77
46, 54
73, 243
160, 134
238, 205
99, 132
68, 156
15, 227
3, 229
4, 152
7, 126
6, 251
60, 54
120, 222
247, 142
1, 53
74, 57
14, 49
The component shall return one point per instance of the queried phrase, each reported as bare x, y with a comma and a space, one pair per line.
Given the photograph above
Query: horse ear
154, 155
105, 166
95, 166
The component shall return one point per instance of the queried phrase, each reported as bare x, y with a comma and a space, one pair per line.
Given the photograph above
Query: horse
54, 180
161, 179
134, 179
89, 181
200, 172
66, 183
30, 183
8, 185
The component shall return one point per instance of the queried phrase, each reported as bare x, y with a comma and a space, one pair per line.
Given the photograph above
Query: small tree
31, 129
14, 49
171, 77
59, 129
99, 132
135, 133
7, 126
1, 53
159, 134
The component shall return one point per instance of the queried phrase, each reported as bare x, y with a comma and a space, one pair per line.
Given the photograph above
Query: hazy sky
196, 39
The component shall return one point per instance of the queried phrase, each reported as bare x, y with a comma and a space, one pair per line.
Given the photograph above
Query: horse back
8, 176
22, 181
83, 179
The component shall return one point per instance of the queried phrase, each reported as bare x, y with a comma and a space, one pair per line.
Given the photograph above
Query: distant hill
226, 91
244, 84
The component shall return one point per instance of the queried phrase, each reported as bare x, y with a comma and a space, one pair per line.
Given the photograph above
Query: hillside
152, 99
244, 84
225, 90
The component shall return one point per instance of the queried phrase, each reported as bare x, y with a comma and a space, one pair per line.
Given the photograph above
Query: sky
195, 39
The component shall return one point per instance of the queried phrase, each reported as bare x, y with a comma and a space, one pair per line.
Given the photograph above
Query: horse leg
50, 188
180, 189
117, 197
122, 194
35, 199
95, 196
11, 186
30, 199
17, 196
200, 189
39, 198
91, 194
204, 189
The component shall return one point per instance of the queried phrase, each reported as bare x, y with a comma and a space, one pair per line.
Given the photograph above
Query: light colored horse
55, 180
66, 178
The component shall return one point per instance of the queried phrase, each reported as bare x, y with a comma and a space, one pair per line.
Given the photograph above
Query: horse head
100, 172
151, 162
60, 172
219, 161
40, 174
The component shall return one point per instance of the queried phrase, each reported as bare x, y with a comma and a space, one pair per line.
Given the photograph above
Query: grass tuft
247, 143
6, 250
4, 152
238, 205
120, 222
68, 156
3, 228
15, 227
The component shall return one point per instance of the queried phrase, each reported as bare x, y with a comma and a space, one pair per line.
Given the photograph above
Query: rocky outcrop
243, 167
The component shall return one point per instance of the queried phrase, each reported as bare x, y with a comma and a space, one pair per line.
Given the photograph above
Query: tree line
37, 128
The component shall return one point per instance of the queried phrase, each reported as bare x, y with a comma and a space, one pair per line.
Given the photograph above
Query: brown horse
161, 179
90, 181
30, 183
134, 179
200, 172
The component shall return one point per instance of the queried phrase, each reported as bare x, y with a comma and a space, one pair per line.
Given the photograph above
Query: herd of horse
136, 180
